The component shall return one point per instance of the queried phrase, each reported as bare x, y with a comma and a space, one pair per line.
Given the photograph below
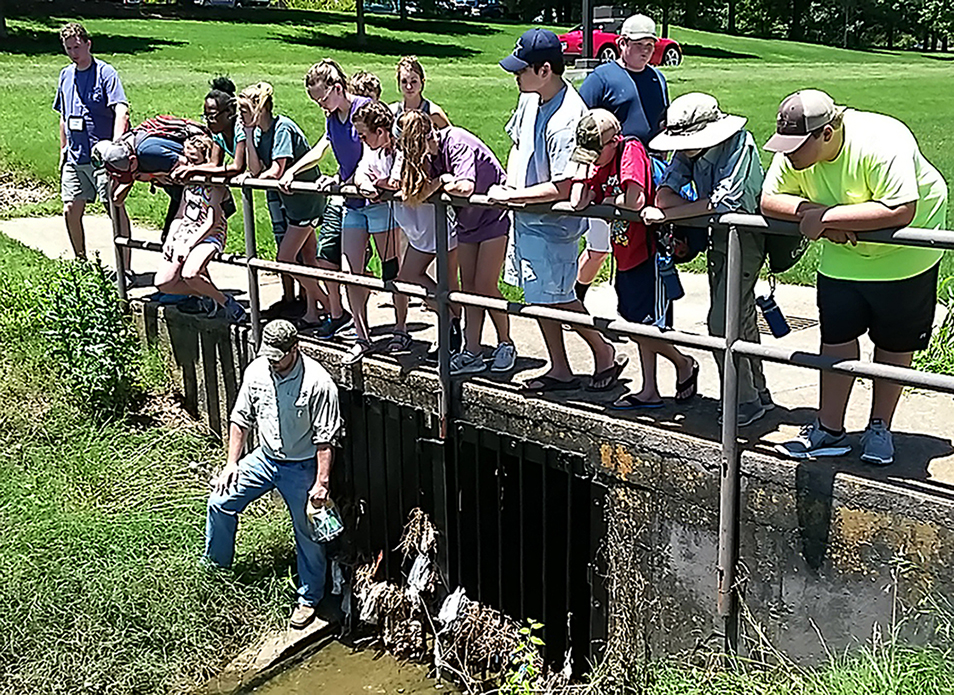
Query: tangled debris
478, 646
15, 192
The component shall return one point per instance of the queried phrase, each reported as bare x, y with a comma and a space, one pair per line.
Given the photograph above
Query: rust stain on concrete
617, 459
854, 530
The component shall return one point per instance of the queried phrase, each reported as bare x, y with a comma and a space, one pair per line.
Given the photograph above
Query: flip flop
400, 342
690, 384
610, 375
360, 348
543, 384
631, 402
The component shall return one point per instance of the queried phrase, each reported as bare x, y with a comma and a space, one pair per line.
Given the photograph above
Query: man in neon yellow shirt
840, 173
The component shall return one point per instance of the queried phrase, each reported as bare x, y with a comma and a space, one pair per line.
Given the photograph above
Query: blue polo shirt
85, 100
637, 99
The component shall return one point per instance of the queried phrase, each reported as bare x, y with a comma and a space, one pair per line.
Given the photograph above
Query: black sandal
691, 384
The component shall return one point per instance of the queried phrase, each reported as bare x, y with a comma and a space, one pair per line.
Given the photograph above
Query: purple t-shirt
85, 100
346, 145
465, 156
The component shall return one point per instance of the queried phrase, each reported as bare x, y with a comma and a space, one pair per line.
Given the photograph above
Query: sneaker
456, 336
877, 444
234, 311
332, 327
467, 363
751, 411
813, 442
212, 308
193, 305
504, 358
302, 616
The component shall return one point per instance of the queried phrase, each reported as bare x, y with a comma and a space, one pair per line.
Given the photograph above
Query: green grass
166, 63
100, 590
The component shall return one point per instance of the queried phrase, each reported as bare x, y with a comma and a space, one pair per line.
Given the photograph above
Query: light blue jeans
257, 475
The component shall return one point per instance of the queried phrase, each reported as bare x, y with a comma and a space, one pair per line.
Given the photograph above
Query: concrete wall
819, 539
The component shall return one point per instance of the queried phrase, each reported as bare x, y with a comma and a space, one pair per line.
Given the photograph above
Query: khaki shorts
83, 182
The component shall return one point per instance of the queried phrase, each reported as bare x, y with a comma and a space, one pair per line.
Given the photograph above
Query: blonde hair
410, 64
257, 97
365, 84
326, 72
202, 144
416, 129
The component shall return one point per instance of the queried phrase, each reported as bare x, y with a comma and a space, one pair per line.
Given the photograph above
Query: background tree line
926, 24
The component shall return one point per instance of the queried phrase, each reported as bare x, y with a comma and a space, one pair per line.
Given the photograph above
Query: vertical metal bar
117, 249
730, 490
443, 317
254, 299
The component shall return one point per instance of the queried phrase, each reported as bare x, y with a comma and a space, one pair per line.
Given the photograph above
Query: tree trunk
732, 29
944, 38
403, 10
3, 22
890, 35
795, 23
362, 35
665, 22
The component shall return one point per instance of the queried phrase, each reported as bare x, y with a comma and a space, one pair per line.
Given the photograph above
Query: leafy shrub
90, 339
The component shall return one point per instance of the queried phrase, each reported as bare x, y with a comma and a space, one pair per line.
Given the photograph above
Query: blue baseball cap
534, 47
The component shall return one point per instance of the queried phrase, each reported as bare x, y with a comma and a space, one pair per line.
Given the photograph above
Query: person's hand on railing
811, 224
652, 215
241, 179
500, 194
564, 206
368, 190
325, 182
838, 236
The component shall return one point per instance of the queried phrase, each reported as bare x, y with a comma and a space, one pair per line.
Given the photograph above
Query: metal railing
732, 348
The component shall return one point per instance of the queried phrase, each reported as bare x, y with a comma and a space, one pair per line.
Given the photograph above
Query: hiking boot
302, 616
234, 311
334, 326
504, 358
467, 363
877, 444
814, 442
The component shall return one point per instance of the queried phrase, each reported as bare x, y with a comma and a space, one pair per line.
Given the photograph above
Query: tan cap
798, 116
596, 129
278, 338
639, 26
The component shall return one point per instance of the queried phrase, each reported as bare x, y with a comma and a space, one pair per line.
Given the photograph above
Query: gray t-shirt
294, 413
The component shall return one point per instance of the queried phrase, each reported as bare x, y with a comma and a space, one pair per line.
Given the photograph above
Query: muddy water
340, 670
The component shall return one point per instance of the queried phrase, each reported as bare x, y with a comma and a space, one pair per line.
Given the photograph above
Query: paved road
924, 423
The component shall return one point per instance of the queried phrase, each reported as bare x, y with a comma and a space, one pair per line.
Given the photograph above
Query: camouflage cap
278, 338
594, 131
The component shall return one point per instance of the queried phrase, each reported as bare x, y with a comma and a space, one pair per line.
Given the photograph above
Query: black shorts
636, 293
896, 314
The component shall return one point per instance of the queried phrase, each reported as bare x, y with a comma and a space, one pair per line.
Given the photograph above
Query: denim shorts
546, 269
373, 219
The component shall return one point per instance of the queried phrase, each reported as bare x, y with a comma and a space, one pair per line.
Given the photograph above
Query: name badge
76, 124
192, 213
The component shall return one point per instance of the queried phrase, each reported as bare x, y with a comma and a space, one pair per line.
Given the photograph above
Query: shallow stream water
340, 670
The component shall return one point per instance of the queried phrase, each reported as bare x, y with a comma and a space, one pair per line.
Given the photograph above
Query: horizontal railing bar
143, 245
344, 278
870, 370
908, 236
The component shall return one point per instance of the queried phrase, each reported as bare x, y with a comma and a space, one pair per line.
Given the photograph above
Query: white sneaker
505, 355
814, 442
467, 363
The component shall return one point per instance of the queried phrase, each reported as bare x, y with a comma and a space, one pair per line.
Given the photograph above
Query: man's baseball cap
534, 47
278, 338
637, 27
115, 155
799, 115
596, 129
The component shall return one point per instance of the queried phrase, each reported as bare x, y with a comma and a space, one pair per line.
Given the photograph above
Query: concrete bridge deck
924, 424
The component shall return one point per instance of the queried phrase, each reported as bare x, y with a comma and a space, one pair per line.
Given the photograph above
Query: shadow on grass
377, 45
47, 42
690, 49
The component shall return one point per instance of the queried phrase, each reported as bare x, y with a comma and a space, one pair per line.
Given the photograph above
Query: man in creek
293, 403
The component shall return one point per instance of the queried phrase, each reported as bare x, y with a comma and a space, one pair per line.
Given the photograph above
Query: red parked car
606, 46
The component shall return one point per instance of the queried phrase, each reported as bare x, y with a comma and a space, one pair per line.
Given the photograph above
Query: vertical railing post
730, 488
254, 300
118, 250
443, 316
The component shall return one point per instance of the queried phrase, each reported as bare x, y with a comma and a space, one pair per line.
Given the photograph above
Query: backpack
169, 127
784, 252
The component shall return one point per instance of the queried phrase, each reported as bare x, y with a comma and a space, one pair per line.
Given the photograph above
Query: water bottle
323, 521
773, 315
669, 277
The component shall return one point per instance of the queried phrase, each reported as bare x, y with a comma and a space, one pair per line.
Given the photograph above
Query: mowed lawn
165, 65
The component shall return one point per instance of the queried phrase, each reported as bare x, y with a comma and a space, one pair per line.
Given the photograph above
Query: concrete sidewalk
923, 425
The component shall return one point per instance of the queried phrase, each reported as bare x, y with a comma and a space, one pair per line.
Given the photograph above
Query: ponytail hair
416, 129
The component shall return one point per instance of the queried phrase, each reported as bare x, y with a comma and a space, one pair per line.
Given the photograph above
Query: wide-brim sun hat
694, 121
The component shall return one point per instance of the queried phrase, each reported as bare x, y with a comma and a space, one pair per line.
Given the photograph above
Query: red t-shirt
633, 244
